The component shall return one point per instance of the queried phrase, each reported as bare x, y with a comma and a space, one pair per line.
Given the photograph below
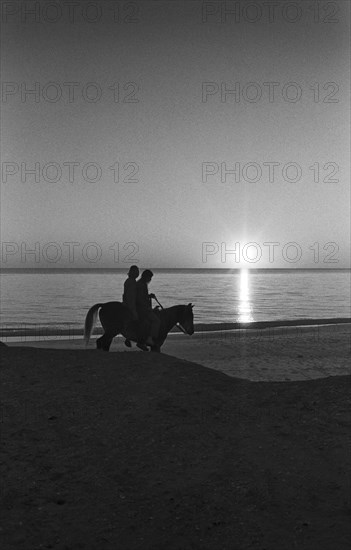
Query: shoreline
46, 332
279, 353
209, 332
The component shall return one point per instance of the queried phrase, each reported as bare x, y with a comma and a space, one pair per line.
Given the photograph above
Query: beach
175, 168
231, 440
282, 351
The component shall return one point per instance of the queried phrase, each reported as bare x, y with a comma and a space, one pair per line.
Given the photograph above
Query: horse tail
90, 321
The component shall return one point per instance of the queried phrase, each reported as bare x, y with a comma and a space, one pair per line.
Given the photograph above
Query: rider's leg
142, 333
130, 329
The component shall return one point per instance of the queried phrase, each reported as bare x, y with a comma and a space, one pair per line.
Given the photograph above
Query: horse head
187, 319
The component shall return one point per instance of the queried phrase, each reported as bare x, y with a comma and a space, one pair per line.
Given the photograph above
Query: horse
116, 319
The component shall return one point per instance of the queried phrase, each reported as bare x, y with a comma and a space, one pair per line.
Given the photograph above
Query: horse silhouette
116, 319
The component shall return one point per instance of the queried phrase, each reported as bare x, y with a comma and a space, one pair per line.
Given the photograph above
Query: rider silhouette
130, 291
130, 294
144, 311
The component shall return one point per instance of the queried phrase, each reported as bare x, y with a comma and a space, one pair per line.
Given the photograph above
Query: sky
175, 134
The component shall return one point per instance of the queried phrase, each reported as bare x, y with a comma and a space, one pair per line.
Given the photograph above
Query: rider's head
133, 271
147, 275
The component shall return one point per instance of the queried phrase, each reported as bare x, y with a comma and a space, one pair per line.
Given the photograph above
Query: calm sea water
62, 300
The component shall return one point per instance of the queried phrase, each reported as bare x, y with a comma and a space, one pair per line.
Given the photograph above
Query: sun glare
245, 309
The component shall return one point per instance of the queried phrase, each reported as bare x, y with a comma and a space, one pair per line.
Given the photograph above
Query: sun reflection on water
244, 307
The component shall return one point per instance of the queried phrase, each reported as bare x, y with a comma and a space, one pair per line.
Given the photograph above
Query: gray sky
173, 137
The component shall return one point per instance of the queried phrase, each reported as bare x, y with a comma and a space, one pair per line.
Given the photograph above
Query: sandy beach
273, 353
176, 170
227, 440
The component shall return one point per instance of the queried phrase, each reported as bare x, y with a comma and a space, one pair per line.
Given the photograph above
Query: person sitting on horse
130, 291
145, 313
130, 295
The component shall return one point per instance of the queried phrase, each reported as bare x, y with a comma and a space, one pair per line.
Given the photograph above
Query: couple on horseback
138, 300
135, 319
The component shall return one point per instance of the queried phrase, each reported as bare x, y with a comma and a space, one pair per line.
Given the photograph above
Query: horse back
117, 305
114, 311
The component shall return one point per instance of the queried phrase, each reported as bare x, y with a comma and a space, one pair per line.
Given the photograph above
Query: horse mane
176, 310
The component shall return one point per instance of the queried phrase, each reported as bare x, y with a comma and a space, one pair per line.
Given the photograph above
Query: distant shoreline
45, 332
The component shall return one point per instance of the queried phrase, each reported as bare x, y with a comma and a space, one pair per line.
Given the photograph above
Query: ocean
57, 302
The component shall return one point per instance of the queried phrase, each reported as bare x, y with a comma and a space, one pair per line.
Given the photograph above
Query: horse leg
158, 344
108, 341
110, 328
156, 348
99, 342
104, 342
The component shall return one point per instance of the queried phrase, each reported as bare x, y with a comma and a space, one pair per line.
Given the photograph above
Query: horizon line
123, 269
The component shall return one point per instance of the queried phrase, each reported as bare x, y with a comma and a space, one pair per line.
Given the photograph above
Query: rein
178, 325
